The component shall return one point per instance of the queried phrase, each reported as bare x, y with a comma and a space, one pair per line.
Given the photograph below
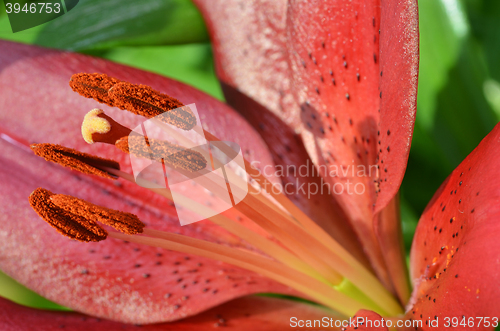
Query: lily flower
320, 84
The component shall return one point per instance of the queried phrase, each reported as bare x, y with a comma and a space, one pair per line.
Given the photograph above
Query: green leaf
442, 34
30, 13
443, 27
484, 17
492, 93
464, 117
453, 114
96, 24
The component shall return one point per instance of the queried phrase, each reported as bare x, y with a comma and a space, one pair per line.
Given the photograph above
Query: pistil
99, 127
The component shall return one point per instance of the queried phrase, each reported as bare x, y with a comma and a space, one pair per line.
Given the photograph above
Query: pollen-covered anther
121, 221
68, 224
82, 162
99, 127
159, 150
94, 86
143, 100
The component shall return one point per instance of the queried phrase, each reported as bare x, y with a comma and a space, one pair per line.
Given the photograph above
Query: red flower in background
332, 82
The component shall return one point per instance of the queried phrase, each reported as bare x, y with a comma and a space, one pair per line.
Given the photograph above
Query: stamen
260, 242
99, 127
94, 86
143, 100
138, 99
158, 150
82, 162
68, 224
121, 221
310, 260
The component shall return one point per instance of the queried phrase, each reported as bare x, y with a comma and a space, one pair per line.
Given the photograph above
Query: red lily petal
399, 56
249, 313
336, 68
367, 320
454, 258
249, 35
337, 81
249, 42
110, 279
328, 110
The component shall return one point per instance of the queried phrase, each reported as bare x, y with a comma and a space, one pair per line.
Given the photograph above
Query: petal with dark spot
336, 66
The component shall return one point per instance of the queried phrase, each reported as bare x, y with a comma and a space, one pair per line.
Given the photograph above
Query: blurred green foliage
96, 24
458, 96
459, 82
